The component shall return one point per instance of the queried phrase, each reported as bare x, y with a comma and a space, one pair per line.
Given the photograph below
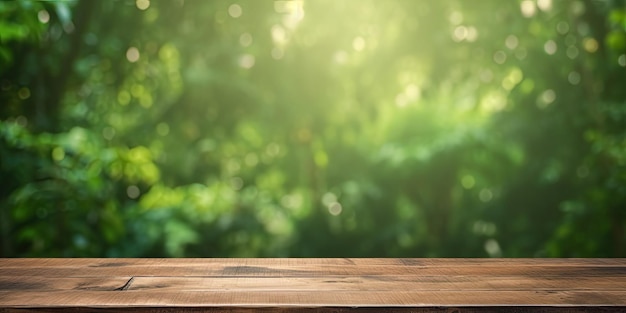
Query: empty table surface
330, 285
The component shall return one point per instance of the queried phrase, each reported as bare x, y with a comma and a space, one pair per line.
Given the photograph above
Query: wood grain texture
325, 285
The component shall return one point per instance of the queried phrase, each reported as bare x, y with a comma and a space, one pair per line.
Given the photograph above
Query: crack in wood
126, 285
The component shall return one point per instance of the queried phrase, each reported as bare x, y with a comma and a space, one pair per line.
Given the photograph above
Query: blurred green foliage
319, 128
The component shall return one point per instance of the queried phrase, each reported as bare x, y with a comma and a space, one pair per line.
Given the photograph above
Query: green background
353, 128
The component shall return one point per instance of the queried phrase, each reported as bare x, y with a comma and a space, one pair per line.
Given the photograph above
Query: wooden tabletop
329, 285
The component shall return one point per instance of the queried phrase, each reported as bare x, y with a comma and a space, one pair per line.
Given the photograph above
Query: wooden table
312, 285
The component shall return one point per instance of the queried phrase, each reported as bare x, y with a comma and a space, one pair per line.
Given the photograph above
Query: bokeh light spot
573, 78
511, 42
236, 183
335, 208
246, 61
514, 77
132, 54
550, 47
456, 18
460, 33
123, 97
245, 39
583, 29
499, 57
590, 45
21, 120
279, 35
401, 100
571, 52
468, 181
544, 5
546, 98
472, 34
340, 57
358, 43
622, 60
58, 154
521, 54
235, 10
277, 53
163, 129
528, 8
108, 133
493, 248
133, 192
485, 195
272, 150
251, 159
484, 228
486, 75
23, 93
43, 16
562, 27
329, 198
142, 4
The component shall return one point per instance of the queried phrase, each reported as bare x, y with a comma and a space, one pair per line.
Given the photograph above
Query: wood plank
231, 298
376, 283
464, 309
297, 262
276, 271
326, 283
40, 283
237, 284
311, 267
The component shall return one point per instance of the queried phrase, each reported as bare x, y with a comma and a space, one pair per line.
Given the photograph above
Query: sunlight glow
279, 35
293, 12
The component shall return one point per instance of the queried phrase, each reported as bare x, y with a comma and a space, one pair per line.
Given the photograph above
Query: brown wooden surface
330, 285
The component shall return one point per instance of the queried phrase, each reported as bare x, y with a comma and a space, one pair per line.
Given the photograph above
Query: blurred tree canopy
351, 128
